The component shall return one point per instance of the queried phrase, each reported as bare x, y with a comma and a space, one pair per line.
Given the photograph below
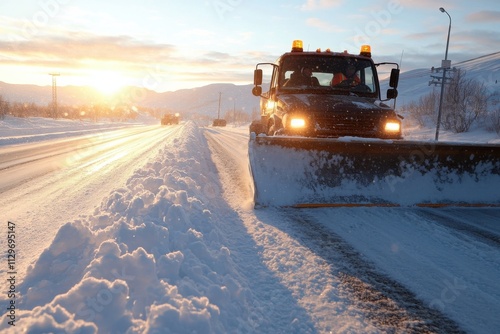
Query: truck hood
336, 115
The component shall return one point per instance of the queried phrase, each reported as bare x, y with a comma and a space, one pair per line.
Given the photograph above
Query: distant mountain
205, 100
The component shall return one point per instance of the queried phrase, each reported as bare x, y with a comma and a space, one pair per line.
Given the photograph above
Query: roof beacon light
297, 46
366, 51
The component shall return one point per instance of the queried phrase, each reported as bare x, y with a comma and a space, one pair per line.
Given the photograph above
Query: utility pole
218, 110
219, 121
54, 94
445, 64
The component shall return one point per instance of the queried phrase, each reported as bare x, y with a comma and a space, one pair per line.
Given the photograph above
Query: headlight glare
297, 123
392, 126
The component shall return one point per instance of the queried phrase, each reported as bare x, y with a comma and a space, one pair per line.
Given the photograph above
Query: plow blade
312, 172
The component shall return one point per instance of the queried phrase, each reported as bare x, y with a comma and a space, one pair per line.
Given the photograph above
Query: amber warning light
366, 51
297, 46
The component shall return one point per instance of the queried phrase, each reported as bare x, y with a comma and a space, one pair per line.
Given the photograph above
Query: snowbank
148, 260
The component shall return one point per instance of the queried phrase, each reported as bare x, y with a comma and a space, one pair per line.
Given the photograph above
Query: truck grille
340, 125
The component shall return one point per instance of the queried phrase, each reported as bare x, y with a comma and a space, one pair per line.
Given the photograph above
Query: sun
106, 82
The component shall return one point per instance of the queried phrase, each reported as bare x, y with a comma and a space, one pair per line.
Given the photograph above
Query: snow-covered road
48, 183
174, 245
404, 269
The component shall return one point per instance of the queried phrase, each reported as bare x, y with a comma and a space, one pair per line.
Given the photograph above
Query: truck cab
325, 94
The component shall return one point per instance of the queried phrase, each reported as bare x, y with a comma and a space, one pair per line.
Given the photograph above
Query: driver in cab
348, 78
304, 77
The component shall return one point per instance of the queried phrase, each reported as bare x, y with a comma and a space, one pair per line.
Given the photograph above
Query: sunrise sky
170, 45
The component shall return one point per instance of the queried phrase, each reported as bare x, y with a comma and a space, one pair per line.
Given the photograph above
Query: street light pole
445, 64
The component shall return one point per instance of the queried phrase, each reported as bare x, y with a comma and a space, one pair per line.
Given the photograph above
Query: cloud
323, 26
485, 42
77, 54
78, 48
423, 35
430, 54
320, 4
484, 16
421, 4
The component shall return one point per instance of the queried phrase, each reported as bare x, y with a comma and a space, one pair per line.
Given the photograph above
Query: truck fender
274, 124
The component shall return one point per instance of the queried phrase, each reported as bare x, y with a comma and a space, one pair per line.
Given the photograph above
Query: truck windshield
336, 73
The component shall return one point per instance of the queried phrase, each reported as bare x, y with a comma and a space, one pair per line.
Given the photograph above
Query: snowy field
178, 248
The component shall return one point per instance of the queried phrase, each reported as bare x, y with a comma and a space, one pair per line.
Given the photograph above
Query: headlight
296, 123
392, 126
270, 104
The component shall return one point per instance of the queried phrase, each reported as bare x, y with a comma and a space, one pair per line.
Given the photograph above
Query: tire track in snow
19, 155
272, 302
388, 304
461, 223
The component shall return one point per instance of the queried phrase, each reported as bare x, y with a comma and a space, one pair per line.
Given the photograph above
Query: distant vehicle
219, 122
168, 119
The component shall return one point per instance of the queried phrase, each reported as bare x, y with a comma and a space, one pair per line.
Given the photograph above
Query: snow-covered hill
415, 83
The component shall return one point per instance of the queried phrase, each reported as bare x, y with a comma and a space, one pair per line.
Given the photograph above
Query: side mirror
257, 90
393, 81
257, 77
392, 93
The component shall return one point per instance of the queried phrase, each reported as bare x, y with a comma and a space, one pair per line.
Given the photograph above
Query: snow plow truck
326, 137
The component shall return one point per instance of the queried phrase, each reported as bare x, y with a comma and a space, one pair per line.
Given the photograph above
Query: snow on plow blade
312, 172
